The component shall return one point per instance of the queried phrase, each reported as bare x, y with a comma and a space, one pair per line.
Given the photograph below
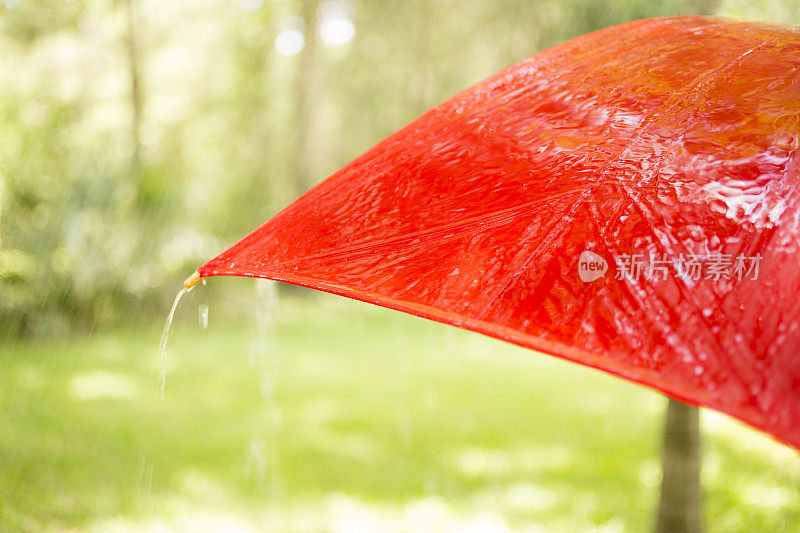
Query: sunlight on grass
96, 385
475, 462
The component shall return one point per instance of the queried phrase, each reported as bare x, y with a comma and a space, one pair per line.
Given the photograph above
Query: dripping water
203, 312
145, 475
263, 449
162, 346
144, 479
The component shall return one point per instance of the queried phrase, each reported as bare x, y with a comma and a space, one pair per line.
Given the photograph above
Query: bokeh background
139, 138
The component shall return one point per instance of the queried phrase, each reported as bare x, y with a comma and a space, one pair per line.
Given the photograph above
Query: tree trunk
680, 510
304, 96
135, 83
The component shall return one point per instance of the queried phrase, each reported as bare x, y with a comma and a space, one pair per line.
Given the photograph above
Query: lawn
344, 417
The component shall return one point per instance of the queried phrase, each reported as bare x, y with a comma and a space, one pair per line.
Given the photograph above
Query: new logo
591, 266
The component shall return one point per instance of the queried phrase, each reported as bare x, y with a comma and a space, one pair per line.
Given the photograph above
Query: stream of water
162, 346
263, 452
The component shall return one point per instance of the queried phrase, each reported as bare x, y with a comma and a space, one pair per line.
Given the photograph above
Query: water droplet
698, 370
696, 232
203, 314
718, 206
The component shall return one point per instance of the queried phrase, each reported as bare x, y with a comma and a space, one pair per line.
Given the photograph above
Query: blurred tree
135, 83
305, 94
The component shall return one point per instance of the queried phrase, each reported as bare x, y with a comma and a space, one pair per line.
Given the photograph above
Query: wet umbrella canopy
628, 200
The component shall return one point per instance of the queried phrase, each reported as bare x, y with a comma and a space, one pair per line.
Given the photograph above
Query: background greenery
368, 421
138, 138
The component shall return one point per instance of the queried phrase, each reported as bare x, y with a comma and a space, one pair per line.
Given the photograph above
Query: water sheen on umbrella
645, 149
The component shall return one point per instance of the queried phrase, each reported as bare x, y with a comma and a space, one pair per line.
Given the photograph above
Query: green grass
355, 417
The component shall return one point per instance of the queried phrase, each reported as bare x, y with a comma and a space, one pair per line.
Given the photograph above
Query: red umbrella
627, 200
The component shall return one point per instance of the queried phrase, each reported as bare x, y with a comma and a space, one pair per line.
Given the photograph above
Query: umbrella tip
192, 280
